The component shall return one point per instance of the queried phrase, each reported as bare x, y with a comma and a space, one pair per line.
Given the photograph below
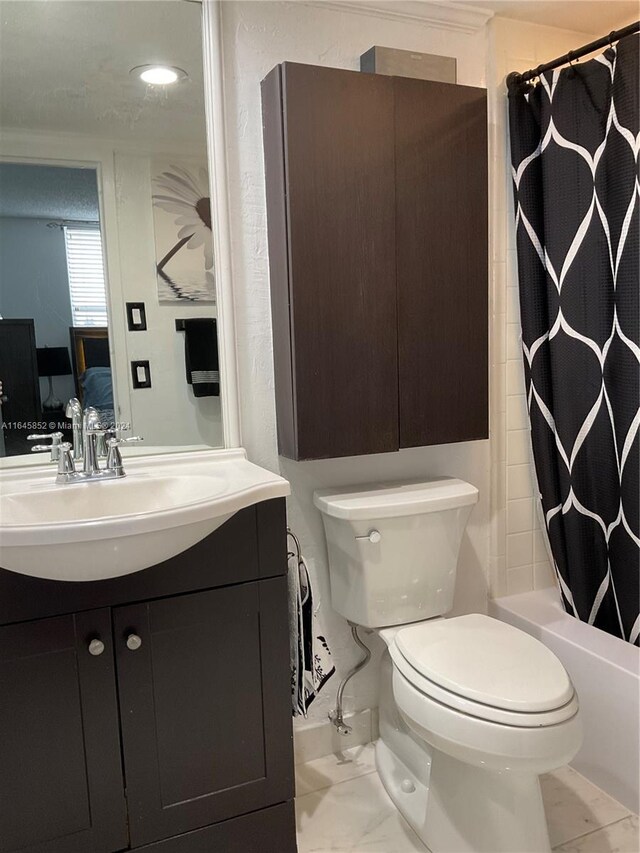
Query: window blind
86, 276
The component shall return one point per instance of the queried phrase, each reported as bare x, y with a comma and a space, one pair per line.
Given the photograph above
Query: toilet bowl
472, 710
487, 752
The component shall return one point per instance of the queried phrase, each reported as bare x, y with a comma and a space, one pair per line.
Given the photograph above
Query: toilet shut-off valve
336, 716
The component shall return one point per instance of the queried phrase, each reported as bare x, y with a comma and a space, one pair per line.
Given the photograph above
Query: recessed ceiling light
159, 75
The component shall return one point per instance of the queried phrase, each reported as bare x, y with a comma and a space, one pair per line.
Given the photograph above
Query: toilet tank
393, 548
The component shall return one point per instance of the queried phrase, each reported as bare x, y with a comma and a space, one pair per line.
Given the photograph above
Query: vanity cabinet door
205, 706
61, 787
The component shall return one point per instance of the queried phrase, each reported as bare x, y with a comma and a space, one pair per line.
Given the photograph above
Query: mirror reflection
53, 300
107, 279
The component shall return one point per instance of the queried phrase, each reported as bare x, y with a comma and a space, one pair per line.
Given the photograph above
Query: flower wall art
182, 225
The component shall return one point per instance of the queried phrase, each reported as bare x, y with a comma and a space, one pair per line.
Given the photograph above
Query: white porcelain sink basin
112, 499
92, 531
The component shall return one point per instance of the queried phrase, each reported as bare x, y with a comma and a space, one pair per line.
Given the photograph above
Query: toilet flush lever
374, 536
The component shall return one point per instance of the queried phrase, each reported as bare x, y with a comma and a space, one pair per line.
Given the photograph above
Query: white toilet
472, 710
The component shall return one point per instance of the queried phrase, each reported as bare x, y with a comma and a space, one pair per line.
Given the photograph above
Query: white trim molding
216, 144
443, 14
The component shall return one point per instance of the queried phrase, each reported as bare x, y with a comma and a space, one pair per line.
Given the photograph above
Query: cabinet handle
96, 647
134, 642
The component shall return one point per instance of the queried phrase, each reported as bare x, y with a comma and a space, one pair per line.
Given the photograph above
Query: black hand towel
201, 356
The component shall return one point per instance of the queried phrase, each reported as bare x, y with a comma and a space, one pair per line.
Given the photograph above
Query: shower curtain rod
516, 78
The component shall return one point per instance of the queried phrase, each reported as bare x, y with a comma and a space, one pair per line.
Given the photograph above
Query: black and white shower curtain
574, 150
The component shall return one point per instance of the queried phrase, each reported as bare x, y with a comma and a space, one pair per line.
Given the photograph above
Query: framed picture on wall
182, 226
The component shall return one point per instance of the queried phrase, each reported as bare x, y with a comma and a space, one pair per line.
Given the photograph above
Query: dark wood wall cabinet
377, 217
152, 711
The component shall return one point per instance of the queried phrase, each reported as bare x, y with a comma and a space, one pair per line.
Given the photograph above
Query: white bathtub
606, 674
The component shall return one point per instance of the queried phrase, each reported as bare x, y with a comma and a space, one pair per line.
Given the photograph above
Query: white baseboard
318, 739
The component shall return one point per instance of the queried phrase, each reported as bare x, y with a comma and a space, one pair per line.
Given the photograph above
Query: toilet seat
486, 669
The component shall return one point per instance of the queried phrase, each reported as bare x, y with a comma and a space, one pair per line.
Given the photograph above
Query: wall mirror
107, 279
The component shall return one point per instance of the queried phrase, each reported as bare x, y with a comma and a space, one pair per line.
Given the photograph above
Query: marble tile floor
341, 806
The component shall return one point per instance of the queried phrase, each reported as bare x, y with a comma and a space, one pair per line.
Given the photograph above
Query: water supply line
336, 716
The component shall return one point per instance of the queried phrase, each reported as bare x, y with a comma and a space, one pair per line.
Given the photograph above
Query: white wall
257, 36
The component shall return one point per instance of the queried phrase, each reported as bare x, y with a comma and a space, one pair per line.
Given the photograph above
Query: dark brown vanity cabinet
162, 723
203, 723
377, 218
61, 785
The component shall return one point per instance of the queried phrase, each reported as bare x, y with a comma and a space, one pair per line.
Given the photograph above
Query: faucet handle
54, 447
113, 441
114, 458
132, 439
66, 465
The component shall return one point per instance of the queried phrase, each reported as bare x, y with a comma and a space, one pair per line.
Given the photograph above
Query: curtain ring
611, 37
570, 58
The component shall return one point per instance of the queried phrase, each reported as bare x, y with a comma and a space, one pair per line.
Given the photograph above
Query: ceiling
65, 67
595, 17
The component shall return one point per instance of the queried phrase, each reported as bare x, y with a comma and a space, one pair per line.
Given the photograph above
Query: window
86, 276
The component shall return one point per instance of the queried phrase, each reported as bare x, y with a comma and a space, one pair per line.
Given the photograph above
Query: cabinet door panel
265, 831
205, 736
61, 787
334, 274
442, 261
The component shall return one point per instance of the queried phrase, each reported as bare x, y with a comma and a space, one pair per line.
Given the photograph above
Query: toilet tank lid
392, 500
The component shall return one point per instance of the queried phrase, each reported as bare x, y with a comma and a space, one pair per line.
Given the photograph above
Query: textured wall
256, 36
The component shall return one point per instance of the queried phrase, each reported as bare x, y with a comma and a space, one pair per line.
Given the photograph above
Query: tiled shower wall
518, 555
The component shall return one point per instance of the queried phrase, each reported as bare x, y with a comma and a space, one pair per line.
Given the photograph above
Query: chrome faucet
89, 437
91, 429
74, 411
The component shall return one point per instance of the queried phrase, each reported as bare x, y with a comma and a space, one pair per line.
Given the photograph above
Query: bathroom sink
112, 499
97, 530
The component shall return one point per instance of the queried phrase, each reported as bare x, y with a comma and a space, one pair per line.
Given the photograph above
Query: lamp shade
53, 361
